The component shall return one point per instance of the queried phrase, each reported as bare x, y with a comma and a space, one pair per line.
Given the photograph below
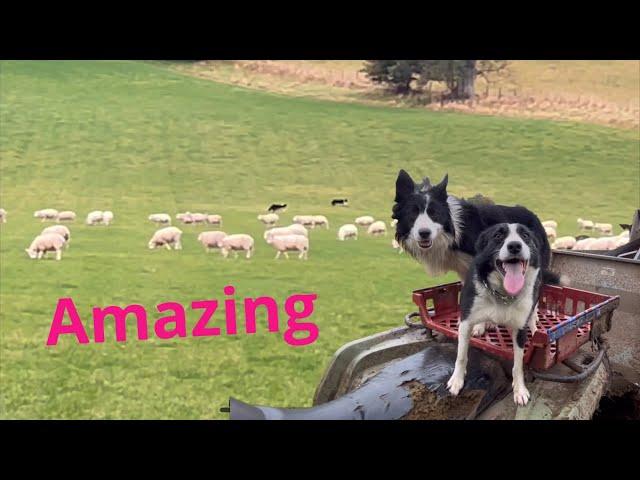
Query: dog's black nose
424, 233
514, 247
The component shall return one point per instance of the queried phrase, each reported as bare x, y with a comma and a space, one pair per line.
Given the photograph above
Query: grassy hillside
137, 139
593, 91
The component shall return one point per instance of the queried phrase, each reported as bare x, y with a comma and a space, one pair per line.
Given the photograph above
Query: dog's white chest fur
487, 307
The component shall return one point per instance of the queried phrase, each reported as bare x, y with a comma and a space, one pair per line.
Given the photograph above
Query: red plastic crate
564, 322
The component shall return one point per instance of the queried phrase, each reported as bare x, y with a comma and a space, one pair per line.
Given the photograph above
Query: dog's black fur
276, 207
465, 224
339, 201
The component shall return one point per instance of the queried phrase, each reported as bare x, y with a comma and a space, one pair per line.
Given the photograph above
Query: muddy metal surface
611, 276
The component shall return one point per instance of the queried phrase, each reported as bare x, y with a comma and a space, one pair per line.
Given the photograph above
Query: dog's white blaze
514, 236
424, 221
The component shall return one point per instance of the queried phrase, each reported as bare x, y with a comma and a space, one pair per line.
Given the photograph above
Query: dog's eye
524, 235
497, 235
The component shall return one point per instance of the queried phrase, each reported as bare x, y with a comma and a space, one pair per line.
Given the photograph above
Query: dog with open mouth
440, 230
503, 286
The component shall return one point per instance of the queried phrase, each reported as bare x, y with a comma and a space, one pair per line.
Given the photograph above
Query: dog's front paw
455, 384
478, 329
521, 395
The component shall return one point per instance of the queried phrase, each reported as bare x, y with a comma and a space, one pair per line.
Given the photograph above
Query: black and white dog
340, 202
277, 207
440, 230
502, 286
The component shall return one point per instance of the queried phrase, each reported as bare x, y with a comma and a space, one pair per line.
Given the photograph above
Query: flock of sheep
585, 242
292, 238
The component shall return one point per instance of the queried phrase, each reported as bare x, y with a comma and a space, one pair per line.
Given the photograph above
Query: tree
458, 75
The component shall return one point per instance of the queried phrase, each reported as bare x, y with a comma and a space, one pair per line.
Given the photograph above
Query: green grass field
137, 139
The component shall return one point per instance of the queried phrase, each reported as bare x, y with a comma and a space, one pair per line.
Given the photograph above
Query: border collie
439, 230
277, 207
502, 286
340, 202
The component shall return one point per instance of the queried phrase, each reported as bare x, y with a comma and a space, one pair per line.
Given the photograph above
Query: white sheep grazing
603, 243
184, 217
305, 220
46, 214
585, 224
377, 228
584, 244
211, 239
348, 231
298, 229
288, 243
66, 216
107, 217
550, 223
236, 242
605, 228
551, 233
364, 221
166, 237
49, 242
394, 222
214, 219
269, 219
280, 231
320, 220
94, 217
160, 218
60, 230
199, 217
564, 243
396, 245
3, 215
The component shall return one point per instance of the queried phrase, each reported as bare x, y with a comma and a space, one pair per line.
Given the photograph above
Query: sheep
550, 223
46, 214
48, 242
320, 220
166, 236
603, 243
107, 217
394, 222
585, 224
395, 244
214, 219
620, 241
234, 243
298, 229
290, 230
624, 234
564, 243
377, 228
305, 220
605, 228
3, 215
269, 219
67, 215
184, 217
551, 233
348, 230
364, 221
60, 230
287, 243
584, 244
199, 217
94, 217
160, 218
211, 239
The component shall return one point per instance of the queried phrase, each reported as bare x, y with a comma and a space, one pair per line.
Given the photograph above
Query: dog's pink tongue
513, 278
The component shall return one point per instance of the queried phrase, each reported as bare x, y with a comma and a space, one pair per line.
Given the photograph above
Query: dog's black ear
440, 190
404, 186
483, 240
